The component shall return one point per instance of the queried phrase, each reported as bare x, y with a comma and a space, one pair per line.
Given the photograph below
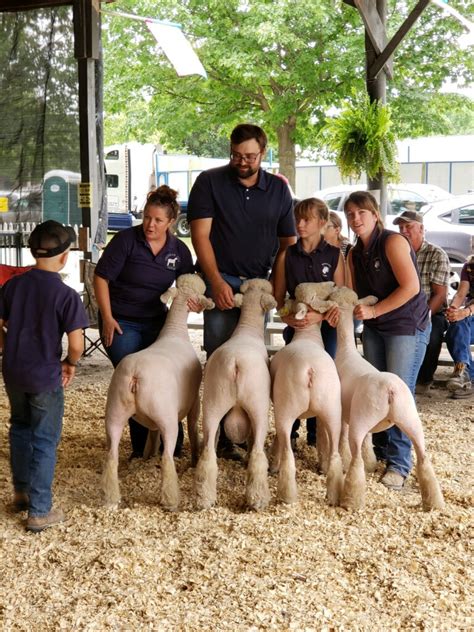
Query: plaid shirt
433, 264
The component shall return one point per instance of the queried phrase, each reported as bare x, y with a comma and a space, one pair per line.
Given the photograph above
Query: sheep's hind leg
169, 497
431, 495
110, 482
205, 477
331, 423
353, 494
192, 419
257, 492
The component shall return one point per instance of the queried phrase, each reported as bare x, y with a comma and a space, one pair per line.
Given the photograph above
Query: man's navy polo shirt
137, 278
39, 309
246, 221
310, 267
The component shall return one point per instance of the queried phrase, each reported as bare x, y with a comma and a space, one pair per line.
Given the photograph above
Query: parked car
398, 194
450, 225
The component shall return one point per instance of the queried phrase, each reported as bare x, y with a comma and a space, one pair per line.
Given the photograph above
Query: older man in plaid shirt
433, 264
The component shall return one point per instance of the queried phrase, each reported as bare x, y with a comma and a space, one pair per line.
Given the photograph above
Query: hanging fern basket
361, 139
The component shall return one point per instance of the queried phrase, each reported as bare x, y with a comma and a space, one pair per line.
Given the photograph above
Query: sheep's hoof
258, 504
111, 506
170, 508
204, 503
352, 504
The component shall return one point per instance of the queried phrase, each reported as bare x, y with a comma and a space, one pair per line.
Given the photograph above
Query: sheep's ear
267, 302
368, 300
238, 298
169, 295
244, 287
301, 309
206, 303
325, 306
316, 302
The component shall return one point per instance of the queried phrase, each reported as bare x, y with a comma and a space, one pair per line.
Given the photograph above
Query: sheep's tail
334, 480
431, 495
353, 495
110, 483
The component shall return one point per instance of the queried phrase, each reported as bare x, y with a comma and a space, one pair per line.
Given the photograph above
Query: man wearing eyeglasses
240, 216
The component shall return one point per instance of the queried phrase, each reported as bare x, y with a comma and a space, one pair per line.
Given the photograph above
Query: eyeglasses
250, 158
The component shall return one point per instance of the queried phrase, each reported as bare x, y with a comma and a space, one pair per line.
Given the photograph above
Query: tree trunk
286, 150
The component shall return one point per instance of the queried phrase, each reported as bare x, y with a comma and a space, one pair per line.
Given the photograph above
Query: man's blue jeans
403, 356
135, 337
428, 368
459, 337
219, 324
35, 429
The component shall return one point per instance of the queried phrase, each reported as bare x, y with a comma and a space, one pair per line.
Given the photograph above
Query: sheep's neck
313, 333
177, 319
345, 331
250, 320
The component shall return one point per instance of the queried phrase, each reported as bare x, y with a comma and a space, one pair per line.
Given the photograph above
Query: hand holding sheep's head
312, 295
347, 299
191, 287
256, 291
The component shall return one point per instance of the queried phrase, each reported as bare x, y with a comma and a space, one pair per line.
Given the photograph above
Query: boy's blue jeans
459, 337
402, 355
35, 429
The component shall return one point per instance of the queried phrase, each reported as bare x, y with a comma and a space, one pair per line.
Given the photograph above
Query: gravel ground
306, 566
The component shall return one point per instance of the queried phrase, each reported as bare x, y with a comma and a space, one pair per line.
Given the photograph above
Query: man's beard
244, 172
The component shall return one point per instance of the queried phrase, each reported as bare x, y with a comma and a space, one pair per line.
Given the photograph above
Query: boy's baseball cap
408, 216
50, 238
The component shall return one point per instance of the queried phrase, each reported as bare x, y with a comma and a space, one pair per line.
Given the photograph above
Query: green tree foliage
39, 126
279, 63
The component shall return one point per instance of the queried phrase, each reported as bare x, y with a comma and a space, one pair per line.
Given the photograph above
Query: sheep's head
311, 295
189, 286
256, 291
345, 297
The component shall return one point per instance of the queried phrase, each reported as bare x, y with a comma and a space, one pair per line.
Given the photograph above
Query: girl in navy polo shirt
396, 329
310, 260
137, 267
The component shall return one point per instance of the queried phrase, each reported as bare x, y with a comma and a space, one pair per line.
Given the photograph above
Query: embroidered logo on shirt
172, 261
377, 264
325, 269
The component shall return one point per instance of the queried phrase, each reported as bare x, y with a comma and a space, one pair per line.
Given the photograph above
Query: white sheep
159, 386
237, 379
305, 384
373, 401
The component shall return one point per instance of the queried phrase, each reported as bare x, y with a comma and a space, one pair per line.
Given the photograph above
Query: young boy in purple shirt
36, 309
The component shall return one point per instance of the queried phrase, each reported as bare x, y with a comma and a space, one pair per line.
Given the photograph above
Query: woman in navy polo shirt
137, 266
396, 329
311, 260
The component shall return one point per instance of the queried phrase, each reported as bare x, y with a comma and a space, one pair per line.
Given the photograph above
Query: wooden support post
86, 46
376, 89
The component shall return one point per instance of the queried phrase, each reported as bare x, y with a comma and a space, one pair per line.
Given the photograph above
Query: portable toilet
60, 197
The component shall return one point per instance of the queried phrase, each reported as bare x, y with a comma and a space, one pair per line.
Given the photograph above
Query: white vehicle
398, 195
